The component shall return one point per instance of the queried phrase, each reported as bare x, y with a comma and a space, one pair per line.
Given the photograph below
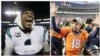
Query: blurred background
83, 9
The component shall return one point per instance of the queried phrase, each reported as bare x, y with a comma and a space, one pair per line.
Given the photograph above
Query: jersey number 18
75, 43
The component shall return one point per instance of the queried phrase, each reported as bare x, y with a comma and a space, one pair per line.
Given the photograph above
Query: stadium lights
12, 12
38, 20
46, 19
44, 22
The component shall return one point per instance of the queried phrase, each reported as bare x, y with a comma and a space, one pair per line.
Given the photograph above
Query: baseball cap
78, 19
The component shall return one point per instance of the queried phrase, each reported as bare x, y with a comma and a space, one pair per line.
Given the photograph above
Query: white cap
79, 20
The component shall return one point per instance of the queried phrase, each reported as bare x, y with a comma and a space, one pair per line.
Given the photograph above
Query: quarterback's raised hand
53, 9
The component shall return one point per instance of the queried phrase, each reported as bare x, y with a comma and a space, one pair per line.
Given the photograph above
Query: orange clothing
55, 34
73, 43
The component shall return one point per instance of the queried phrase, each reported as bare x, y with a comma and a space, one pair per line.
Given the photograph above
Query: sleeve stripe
8, 33
44, 34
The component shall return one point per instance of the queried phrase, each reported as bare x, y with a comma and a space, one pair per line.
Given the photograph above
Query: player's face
27, 19
77, 26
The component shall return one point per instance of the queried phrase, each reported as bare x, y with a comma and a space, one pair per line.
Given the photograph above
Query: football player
26, 38
74, 36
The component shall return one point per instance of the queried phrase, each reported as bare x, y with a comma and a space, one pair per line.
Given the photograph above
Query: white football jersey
16, 37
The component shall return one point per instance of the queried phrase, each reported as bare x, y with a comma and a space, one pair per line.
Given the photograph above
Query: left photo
25, 28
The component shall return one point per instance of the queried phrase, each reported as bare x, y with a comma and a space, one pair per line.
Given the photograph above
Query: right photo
75, 27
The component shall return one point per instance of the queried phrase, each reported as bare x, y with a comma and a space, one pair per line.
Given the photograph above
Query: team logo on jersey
18, 34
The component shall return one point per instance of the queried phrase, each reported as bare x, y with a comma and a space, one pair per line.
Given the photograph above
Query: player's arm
8, 44
55, 28
60, 31
53, 13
